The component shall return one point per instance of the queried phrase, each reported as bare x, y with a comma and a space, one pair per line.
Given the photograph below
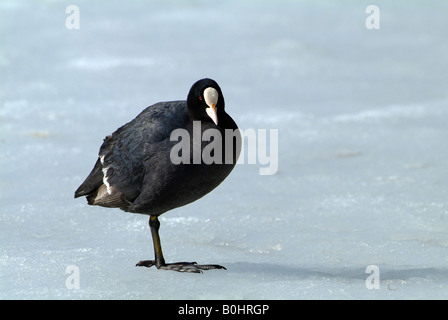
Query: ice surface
363, 146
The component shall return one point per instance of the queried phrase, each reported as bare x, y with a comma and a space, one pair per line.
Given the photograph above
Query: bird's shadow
284, 272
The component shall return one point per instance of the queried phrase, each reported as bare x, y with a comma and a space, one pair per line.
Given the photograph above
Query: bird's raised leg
159, 261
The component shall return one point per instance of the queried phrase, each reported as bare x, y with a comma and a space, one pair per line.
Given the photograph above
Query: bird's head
205, 101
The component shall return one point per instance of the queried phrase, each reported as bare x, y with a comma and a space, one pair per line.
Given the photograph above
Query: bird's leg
154, 225
159, 261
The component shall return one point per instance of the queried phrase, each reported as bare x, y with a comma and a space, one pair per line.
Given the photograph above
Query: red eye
200, 98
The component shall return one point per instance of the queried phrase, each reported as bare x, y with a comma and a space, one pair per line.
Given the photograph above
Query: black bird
135, 170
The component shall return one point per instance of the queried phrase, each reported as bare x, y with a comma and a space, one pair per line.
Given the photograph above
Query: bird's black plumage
134, 171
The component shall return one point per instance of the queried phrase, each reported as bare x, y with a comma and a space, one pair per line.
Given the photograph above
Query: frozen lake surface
363, 146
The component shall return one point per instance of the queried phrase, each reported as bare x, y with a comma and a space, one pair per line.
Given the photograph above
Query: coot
135, 170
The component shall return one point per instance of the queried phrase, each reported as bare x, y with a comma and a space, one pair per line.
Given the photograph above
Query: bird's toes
190, 267
145, 263
210, 266
182, 267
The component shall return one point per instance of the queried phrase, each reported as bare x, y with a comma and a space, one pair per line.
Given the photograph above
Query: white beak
211, 99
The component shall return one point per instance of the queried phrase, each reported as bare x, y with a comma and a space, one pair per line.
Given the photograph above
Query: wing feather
117, 177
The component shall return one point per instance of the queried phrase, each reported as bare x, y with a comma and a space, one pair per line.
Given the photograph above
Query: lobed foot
181, 266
